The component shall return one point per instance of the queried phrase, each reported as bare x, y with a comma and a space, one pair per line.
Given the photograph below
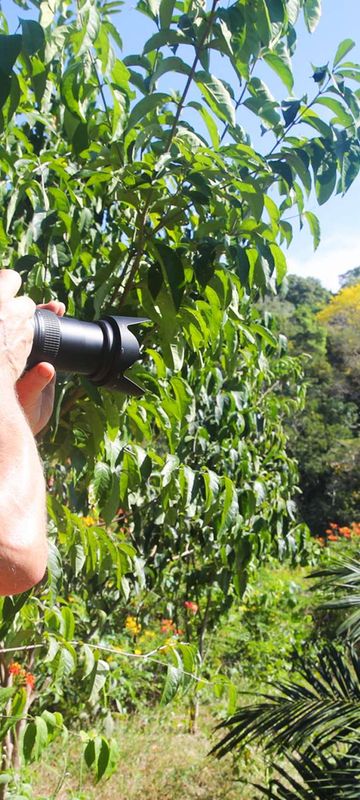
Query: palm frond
344, 577
317, 778
326, 709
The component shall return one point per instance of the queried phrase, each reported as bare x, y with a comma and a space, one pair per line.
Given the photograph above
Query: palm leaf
326, 709
317, 778
344, 576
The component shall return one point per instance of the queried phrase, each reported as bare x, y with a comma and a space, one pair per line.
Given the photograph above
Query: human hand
36, 388
16, 326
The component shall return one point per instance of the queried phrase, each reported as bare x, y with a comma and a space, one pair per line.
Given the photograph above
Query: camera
100, 350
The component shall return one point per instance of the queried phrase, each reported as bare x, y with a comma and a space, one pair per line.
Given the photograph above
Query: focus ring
49, 334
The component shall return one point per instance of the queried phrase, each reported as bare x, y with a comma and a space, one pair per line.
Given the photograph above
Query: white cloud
334, 256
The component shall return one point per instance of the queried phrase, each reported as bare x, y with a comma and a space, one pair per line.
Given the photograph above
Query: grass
158, 760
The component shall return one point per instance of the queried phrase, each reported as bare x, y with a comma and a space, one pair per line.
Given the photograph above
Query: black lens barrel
100, 350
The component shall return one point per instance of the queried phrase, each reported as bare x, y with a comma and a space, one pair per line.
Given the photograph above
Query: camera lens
100, 350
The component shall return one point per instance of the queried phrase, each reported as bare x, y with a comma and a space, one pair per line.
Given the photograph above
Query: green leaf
35, 739
165, 12
262, 103
211, 483
6, 692
282, 69
320, 73
312, 14
173, 682
209, 122
165, 37
90, 753
312, 118
68, 623
276, 10
97, 755
89, 659
33, 37
290, 109
98, 677
144, 106
344, 47
217, 96
314, 226
325, 183
101, 482
350, 166
70, 87
5, 88
341, 114
10, 48
14, 714
265, 334
171, 64
293, 10
15, 96
173, 270
103, 758
171, 465
229, 505
279, 261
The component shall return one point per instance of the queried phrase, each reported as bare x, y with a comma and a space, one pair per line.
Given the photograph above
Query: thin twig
191, 73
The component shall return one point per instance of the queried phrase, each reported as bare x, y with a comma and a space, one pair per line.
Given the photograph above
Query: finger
23, 305
35, 380
56, 306
10, 283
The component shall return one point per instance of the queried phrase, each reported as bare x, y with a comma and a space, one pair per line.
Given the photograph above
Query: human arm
23, 546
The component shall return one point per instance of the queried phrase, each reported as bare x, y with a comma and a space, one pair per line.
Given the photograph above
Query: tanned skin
26, 403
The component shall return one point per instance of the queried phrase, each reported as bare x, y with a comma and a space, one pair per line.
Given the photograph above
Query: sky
339, 249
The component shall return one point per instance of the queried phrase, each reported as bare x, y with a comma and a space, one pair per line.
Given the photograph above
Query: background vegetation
123, 194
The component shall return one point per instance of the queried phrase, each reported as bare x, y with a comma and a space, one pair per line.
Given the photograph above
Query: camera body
101, 350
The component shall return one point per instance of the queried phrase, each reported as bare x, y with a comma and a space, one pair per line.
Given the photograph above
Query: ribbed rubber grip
49, 334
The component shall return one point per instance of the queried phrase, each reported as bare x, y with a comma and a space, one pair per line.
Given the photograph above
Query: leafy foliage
313, 723
118, 193
324, 435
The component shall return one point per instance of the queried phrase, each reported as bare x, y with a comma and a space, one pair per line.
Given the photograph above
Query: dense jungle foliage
124, 195
324, 436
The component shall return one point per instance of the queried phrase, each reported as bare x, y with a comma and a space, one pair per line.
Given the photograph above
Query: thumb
35, 380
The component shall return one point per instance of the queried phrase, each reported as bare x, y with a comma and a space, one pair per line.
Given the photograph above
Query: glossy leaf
312, 14
10, 48
33, 38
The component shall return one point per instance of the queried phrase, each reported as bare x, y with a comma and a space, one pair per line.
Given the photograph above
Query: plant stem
138, 245
191, 73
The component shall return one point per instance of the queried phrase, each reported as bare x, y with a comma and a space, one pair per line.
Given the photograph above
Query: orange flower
345, 531
192, 607
167, 625
30, 680
15, 668
333, 537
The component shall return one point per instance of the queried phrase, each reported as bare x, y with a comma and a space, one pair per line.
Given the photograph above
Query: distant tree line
324, 331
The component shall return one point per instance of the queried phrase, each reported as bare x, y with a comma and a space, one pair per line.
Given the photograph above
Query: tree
323, 435
352, 276
118, 194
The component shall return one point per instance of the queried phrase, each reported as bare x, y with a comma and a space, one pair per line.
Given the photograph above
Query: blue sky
339, 249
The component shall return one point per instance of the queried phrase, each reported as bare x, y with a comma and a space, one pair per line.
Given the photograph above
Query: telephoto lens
101, 350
